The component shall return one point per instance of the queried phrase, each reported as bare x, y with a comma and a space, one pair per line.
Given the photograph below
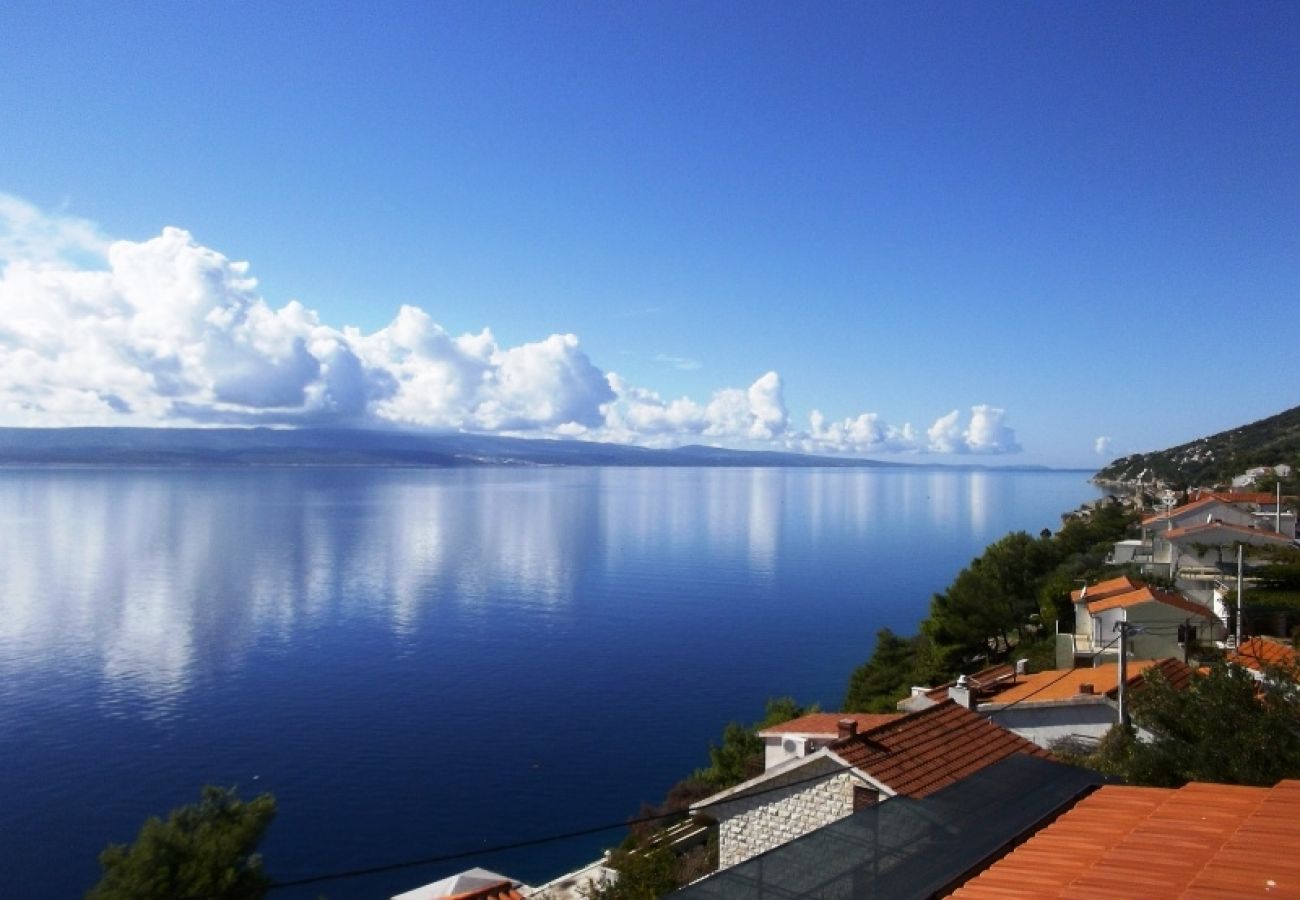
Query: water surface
420, 662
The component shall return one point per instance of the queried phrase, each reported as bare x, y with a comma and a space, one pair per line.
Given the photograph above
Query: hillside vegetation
1214, 460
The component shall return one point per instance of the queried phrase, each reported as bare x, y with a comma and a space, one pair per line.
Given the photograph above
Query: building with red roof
809, 733
1094, 639
911, 755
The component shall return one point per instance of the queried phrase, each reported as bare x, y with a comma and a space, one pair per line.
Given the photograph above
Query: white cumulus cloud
1102, 446
984, 432
167, 331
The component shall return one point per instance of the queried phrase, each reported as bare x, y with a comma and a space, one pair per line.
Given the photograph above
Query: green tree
882, 680
204, 849
993, 597
1220, 728
740, 755
642, 875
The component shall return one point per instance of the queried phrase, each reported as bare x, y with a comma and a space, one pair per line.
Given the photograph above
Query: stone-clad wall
749, 826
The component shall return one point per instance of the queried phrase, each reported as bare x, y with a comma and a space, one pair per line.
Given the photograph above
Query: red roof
919, 753
1202, 527
1198, 842
1242, 496
1108, 588
827, 724
1150, 595
1179, 511
1057, 685
1258, 652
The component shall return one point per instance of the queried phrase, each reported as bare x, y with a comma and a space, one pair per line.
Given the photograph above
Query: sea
427, 665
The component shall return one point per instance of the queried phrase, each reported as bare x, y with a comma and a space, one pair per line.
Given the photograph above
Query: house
906, 847
1196, 841
1208, 508
808, 734
1098, 609
1078, 705
1206, 531
913, 755
472, 884
1210, 545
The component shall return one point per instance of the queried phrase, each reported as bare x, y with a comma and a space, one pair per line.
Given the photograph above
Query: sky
1040, 233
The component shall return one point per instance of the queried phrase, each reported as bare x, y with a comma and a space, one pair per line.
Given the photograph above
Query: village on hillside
988, 786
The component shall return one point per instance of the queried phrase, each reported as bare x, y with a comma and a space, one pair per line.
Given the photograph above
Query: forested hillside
1215, 459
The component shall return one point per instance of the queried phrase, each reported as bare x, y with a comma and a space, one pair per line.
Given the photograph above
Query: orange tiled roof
1241, 496
919, 753
1150, 595
828, 723
1257, 652
1198, 842
1193, 530
1121, 585
1056, 685
1178, 511
504, 890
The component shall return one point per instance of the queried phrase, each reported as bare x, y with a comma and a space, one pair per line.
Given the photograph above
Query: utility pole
1122, 628
1241, 606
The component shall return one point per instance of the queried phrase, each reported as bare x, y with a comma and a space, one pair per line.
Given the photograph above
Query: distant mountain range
1215, 459
355, 447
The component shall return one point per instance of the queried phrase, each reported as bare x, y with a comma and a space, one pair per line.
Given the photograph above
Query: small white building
806, 735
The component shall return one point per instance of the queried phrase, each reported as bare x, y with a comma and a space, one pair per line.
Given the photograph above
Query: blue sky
1081, 220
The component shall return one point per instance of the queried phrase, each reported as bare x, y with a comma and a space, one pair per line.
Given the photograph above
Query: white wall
1045, 725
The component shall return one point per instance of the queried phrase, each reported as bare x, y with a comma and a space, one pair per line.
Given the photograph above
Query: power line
360, 872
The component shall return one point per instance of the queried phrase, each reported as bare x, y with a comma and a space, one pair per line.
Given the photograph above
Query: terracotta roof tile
827, 724
1055, 685
1241, 496
1174, 534
1108, 588
921, 752
1179, 511
1257, 652
1150, 595
1199, 842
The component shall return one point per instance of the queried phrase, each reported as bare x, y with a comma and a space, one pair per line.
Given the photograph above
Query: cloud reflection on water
142, 580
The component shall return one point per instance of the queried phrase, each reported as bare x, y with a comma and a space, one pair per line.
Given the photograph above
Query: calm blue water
419, 662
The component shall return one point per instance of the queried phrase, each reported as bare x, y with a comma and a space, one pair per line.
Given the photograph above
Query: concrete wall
1046, 725
748, 826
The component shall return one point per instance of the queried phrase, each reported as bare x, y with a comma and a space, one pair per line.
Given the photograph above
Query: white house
1211, 544
1099, 608
912, 755
806, 735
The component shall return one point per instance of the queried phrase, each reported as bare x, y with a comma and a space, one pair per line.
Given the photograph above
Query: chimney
848, 728
1087, 688
962, 694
